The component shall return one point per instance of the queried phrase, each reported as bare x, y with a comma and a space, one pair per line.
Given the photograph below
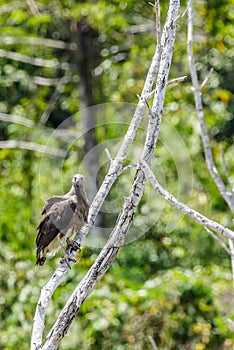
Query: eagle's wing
55, 220
61, 213
47, 231
50, 202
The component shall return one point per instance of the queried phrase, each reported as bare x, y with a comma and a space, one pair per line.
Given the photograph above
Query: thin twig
31, 146
231, 247
198, 217
108, 155
33, 7
184, 13
16, 119
52, 81
158, 21
177, 80
53, 99
231, 323
37, 41
129, 166
220, 242
39, 62
36, 80
170, 82
156, 5
207, 77
153, 343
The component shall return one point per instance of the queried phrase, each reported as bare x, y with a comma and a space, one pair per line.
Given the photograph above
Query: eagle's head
78, 183
78, 180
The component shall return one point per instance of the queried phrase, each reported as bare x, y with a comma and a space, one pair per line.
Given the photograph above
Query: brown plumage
62, 216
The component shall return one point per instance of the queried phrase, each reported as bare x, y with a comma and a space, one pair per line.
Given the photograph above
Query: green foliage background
175, 287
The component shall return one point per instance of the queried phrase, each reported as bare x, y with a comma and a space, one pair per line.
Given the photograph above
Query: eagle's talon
73, 260
67, 259
72, 245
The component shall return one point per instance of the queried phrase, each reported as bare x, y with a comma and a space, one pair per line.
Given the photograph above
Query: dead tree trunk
86, 56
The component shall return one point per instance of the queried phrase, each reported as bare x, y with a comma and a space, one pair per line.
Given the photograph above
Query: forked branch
160, 64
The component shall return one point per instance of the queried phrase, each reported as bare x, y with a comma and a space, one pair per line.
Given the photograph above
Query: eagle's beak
77, 178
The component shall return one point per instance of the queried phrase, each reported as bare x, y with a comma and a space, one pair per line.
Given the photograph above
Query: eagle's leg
65, 257
72, 245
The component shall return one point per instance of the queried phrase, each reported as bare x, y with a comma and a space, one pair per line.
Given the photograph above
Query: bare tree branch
108, 155
226, 169
231, 324
37, 41
177, 80
37, 80
33, 61
36, 147
220, 242
231, 247
53, 99
199, 107
170, 82
184, 13
33, 7
158, 21
230, 242
198, 217
11, 6
65, 134
227, 196
153, 343
129, 166
147, 27
207, 78
117, 238
16, 119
